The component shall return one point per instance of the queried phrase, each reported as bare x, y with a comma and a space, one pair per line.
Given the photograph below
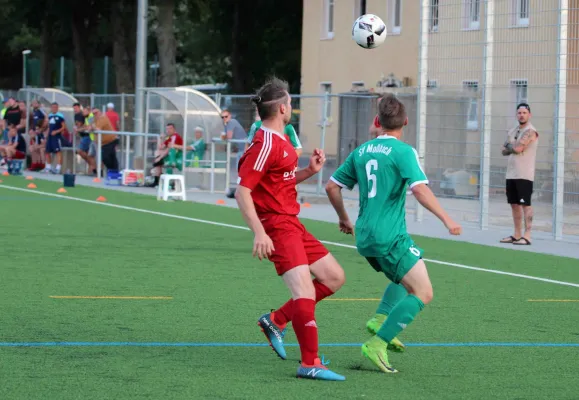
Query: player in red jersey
165, 156
267, 198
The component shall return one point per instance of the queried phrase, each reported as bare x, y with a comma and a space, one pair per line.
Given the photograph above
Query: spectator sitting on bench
197, 149
14, 150
36, 148
37, 143
162, 158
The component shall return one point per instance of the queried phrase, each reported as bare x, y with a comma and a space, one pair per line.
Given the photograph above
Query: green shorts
402, 258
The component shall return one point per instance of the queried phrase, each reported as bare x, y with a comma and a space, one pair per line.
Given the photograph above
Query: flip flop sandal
522, 242
510, 239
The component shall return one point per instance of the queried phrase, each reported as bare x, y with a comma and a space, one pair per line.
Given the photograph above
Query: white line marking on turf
203, 221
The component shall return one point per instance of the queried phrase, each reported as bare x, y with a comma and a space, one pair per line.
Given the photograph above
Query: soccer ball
369, 31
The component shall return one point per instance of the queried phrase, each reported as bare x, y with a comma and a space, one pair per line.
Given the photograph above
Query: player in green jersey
384, 168
289, 132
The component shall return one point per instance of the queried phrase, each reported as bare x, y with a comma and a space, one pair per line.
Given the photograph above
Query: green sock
400, 317
392, 295
172, 156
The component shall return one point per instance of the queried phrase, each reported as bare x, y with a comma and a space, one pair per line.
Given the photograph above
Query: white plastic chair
163, 190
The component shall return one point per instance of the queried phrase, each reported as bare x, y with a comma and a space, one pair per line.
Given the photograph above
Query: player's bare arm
334, 192
317, 161
507, 149
428, 200
58, 131
262, 244
525, 140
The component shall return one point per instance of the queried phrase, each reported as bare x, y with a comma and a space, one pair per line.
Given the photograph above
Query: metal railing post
486, 131
212, 177
422, 91
227, 165
323, 140
99, 154
560, 122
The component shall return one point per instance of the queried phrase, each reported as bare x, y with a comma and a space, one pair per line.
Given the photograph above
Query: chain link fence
477, 60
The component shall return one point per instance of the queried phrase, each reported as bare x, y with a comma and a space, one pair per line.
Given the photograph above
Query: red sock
322, 291
304, 324
284, 314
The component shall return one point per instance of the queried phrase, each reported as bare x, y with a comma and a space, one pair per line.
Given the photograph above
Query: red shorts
19, 155
294, 245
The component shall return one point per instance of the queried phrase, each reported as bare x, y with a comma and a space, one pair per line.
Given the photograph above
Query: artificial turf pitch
197, 337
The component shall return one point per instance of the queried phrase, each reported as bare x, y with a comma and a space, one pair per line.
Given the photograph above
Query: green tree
241, 42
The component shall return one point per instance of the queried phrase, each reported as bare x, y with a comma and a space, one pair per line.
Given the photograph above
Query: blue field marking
186, 344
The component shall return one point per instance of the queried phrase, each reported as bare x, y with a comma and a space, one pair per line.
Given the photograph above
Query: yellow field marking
352, 299
554, 300
114, 297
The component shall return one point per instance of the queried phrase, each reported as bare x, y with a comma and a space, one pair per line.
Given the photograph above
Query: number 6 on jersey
372, 166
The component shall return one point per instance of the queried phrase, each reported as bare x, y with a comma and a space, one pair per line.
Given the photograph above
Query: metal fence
124, 105
489, 56
477, 60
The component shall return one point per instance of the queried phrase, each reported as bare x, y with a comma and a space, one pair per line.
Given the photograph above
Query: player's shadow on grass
362, 367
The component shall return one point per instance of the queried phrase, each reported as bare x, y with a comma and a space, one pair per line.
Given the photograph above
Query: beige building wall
341, 62
455, 54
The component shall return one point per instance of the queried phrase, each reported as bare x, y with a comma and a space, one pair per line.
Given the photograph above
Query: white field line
203, 221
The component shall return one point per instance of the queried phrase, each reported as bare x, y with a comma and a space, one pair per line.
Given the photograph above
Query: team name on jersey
290, 174
375, 148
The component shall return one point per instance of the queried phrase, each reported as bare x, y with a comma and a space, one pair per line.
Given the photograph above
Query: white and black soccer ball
369, 31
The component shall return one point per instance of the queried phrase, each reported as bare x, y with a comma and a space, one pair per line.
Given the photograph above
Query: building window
328, 19
520, 12
326, 88
433, 15
471, 87
471, 14
359, 8
394, 16
519, 88
432, 84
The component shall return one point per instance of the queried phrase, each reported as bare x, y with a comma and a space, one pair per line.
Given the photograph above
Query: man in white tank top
521, 148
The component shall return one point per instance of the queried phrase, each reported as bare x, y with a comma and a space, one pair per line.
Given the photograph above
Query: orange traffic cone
101, 199
5, 173
220, 202
96, 180
61, 190
31, 186
306, 205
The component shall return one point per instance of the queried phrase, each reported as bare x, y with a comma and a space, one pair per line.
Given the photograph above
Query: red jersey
114, 118
268, 168
175, 139
377, 122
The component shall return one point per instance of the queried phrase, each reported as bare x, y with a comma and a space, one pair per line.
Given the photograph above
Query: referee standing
521, 148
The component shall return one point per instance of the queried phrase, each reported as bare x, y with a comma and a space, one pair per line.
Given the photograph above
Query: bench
201, 178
